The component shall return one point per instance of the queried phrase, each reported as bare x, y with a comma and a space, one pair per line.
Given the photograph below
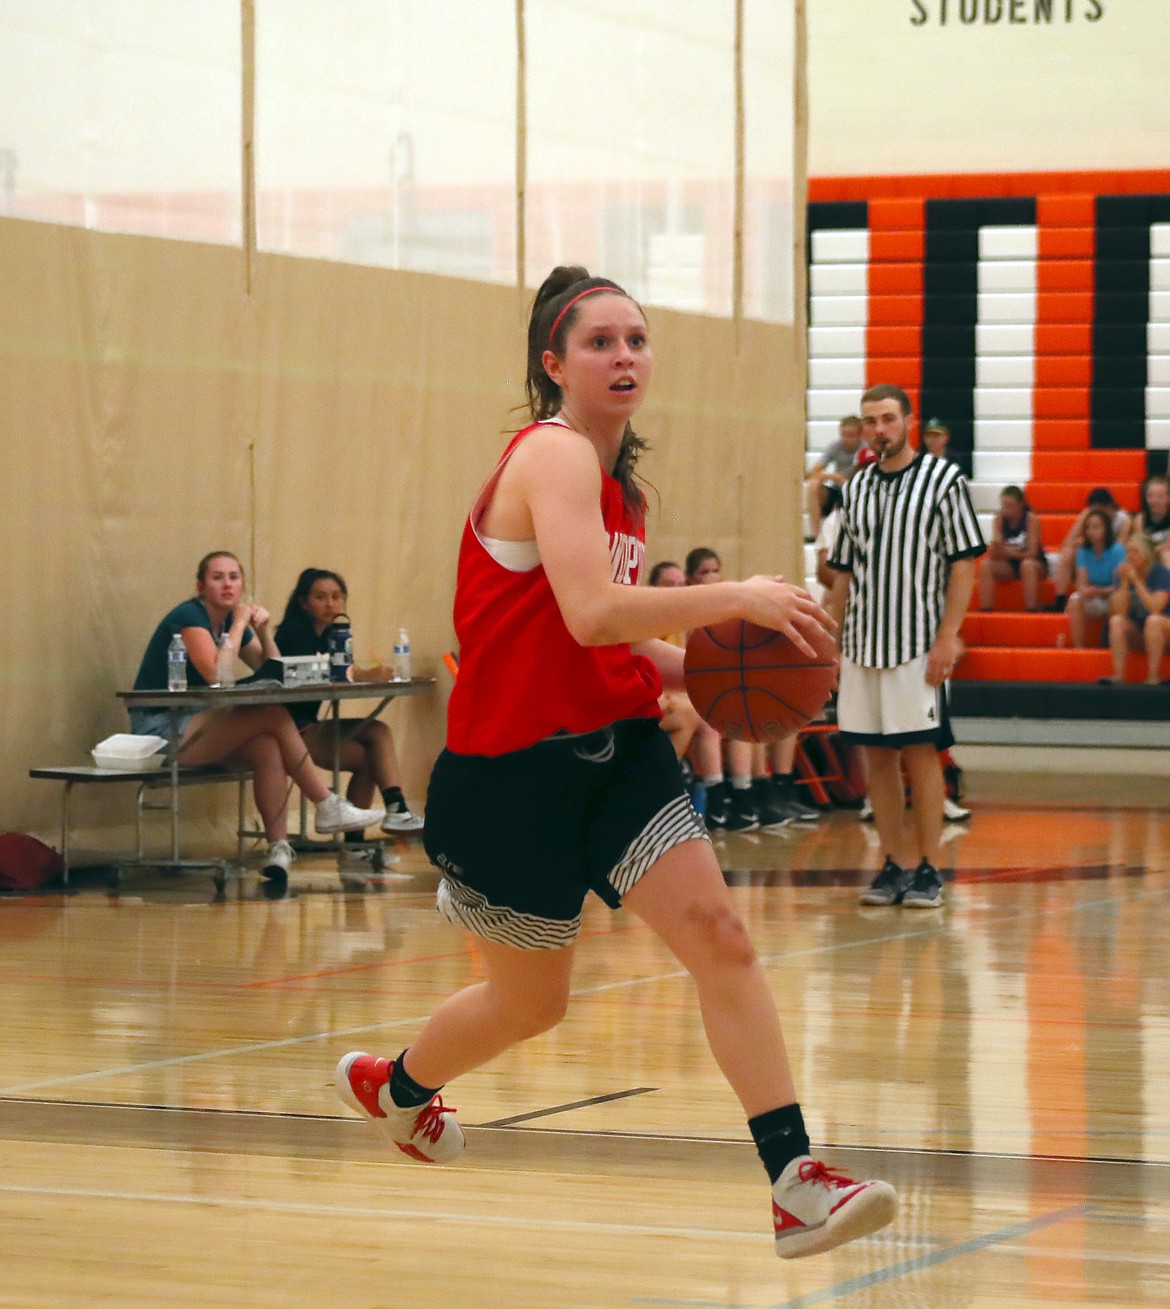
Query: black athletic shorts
521, 838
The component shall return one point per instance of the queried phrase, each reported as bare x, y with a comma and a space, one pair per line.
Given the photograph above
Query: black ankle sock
404, 1090
354, 838
779, 1136
392, 797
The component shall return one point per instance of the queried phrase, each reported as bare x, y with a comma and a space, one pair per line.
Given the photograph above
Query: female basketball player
557, 779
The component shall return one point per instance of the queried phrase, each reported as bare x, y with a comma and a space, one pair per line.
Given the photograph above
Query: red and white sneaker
816, 1208
429, 1133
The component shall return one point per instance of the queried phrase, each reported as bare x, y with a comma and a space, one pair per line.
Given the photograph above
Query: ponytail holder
552, 331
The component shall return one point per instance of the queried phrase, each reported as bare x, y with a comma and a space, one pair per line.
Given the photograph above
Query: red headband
552, 331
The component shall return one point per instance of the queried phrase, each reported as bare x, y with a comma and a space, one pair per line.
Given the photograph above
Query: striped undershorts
522, 838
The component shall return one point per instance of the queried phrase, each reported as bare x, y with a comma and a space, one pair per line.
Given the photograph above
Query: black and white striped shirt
900, 532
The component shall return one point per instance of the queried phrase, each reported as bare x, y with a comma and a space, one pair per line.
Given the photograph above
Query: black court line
565, 1108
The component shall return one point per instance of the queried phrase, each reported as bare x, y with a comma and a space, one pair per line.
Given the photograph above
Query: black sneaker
774, 816
889, 886
742, 816
718, 807
926, 890
787, 793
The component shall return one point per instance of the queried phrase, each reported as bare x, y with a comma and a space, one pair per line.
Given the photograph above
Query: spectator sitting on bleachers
936, 437
262, 738
367, 751
691, 737
835, 466
1015, 551
1139, 620
827, 536
1097, 562
1154, 519
1100, 497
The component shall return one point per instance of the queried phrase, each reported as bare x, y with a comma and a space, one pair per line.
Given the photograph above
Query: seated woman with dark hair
1097, 562
367, 746
1016, 551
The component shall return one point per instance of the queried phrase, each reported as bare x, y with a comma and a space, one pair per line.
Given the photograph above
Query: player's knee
723, 935
542, 1010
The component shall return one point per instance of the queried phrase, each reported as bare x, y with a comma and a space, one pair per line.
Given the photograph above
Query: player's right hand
775, 603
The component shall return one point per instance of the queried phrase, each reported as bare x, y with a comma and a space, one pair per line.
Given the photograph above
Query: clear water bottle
340, 638
176, 664
401, 665
225, 663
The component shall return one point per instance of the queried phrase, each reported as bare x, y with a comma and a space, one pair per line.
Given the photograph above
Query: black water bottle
340, 649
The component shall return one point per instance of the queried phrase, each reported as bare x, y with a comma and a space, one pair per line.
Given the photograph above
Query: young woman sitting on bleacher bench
1097, 562
367, 744
1015, 551
1139, 618
262, 738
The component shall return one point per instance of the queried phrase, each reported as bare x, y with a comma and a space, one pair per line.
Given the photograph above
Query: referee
905, 563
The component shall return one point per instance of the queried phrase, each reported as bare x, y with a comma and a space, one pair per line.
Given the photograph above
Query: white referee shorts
890, 707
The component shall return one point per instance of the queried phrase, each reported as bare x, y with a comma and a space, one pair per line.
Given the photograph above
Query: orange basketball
753, 684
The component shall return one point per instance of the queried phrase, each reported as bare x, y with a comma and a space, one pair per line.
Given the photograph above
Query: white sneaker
336, 814
428, 1133
402, 820
865, 813
954, 813
278, 861
815, 1208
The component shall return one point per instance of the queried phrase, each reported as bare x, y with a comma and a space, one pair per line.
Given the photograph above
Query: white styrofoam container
129, 753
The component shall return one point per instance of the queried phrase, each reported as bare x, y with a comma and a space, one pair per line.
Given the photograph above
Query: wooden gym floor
169, 1132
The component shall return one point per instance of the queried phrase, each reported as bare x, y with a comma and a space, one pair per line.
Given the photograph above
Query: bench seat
149, 780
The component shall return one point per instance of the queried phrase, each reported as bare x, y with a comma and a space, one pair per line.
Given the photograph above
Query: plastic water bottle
225, 663
340, 639
176, 664
401, 666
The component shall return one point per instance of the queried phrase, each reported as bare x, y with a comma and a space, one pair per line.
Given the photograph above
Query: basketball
752, 684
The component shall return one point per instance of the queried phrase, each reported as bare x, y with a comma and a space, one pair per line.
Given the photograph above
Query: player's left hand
941, 661
260, 618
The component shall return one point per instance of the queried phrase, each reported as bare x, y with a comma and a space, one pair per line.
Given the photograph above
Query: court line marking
463, 1218
621, 984
565, 1108
914, 1265
617, 1134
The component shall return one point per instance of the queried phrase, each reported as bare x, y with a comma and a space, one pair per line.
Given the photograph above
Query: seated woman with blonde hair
1139, 619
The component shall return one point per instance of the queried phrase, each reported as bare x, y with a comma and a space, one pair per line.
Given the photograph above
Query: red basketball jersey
522, 677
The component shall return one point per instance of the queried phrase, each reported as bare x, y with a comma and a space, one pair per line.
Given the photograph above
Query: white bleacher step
1005, 370
1002, 466
840, 245
1007, 275
832, 403
1010, 307
1005, 338
1003, 434
838, 372
1008, 242
838, 279
1003, 402
837, 342
838, 310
